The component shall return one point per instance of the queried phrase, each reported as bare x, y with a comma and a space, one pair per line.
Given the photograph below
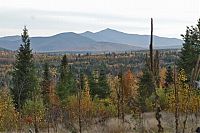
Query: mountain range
105, 40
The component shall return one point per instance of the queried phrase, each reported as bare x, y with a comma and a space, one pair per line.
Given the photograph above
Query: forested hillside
134, 91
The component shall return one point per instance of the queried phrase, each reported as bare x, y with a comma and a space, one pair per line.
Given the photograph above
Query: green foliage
34, 109
98, 84
66, 83
104, 108
24, 79
146, 88
169, 77
103, 87
93, 84
191, 49
162, 100
46, 84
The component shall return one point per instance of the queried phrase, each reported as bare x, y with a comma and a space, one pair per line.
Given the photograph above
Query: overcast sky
48, 17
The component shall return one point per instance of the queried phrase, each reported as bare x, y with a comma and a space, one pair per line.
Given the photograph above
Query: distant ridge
110, 35
106, 40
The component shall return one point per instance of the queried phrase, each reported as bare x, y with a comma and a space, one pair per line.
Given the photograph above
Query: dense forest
140, 91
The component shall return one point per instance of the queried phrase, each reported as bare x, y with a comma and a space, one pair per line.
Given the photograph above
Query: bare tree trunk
118, 104
176, 101
20, 115
79, 111
184, 123
187, 107
35, 117
48, 121
151, 46
79, 104
122, 99
154, 68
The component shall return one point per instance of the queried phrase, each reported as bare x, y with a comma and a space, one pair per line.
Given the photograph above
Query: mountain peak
87, 32
108, 30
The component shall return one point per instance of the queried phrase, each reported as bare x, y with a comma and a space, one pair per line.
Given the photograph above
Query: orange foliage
129, 84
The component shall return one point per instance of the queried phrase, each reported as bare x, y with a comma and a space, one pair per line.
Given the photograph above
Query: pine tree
191, 48
169, 77
24, 79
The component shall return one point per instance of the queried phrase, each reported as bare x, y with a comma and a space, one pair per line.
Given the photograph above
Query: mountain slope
105, 40
110, 35
68, 41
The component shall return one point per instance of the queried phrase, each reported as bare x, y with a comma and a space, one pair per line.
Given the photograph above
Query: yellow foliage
85, 103
8, 114
188, 99
114, 85
104, 108
100, 108
125, 89
162, 75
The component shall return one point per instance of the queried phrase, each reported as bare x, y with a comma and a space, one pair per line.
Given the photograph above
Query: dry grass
147, 125
111, 126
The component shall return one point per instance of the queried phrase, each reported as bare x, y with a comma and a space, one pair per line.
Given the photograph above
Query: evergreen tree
146, 88
98, 84
191, 49
169, 77
92, 84
66, 83
46, 84
103, 87
24, 80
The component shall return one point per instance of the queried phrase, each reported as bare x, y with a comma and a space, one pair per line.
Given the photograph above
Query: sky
49, 17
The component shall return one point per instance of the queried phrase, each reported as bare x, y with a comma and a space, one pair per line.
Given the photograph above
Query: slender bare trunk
122, 100
35, 117
79, 104
176, 101
151, 46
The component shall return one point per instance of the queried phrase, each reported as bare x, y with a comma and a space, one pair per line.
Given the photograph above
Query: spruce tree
92, 84
146, 88
169, 77
46, 83
66, 83
98, 84
24, 80
103, 87
191, 49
